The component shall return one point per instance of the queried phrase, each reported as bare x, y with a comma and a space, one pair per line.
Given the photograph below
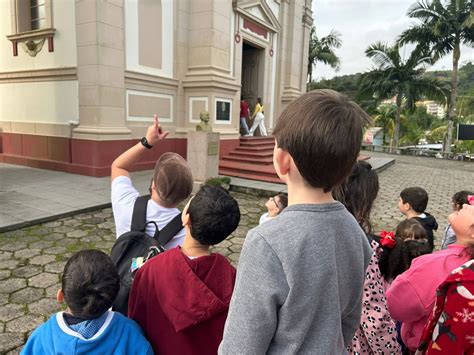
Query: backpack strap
139, 214
169, 231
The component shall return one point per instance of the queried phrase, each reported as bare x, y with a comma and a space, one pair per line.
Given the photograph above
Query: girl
412, 295
259, 120
376, 333
409, 242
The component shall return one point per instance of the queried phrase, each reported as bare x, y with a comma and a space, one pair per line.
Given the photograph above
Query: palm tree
399, 78
385, 118
445, 25
322, 50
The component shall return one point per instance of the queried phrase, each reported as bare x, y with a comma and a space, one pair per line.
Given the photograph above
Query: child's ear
281, 161
186, 219
60, 296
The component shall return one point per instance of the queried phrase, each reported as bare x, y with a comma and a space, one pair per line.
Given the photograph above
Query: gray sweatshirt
299, 284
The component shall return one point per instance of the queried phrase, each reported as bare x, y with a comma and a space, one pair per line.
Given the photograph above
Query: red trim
78, 156
255, 28
15, 48
50, 44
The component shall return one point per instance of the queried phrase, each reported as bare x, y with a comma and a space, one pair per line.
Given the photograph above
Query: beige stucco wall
64, 54
37, 89
41, 102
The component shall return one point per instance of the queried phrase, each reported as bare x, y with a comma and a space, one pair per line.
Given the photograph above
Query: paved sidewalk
30, 196
32, 258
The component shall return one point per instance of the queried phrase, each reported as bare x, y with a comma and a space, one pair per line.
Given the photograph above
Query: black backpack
137, 243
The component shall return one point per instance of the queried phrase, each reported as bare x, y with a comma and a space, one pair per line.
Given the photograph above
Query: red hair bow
387, 239
470, 199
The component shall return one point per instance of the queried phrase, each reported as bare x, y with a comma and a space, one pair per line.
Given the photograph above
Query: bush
223, 181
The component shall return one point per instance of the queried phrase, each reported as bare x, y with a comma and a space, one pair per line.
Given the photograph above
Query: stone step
250, 159
250, 175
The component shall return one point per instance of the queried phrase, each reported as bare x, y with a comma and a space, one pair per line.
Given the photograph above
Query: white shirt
264, 217
123, 199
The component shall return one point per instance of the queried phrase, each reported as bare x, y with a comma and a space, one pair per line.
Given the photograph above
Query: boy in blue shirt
89, 285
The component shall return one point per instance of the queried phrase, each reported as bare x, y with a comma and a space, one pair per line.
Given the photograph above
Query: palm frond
381, 54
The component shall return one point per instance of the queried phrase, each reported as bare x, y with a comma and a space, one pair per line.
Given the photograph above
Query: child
181, 297
459, 199
412, 295
410, 241
274, 206
376, 333
413, 202
300, 279
89, 286
453, 303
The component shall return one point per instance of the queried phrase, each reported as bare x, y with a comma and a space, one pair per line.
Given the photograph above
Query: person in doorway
244, 115
258, 120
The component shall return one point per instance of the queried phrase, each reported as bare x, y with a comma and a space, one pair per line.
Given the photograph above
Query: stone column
293, 51
101, 65
203, 155
208, 74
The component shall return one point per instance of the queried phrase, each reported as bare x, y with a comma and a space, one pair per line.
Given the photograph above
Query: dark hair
460, 197
417, 197
282, 202
322, 131
90, 283
358, 193
214, 215
173, 179
259, 100
397, 260
410, 229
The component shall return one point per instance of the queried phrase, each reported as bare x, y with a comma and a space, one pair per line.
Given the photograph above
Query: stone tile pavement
30, 196
32, 258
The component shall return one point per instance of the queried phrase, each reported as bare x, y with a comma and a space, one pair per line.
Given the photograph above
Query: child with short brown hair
300, 279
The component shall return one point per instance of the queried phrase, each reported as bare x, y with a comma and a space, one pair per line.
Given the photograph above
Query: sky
362, 22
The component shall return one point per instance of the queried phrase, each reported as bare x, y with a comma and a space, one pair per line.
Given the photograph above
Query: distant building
433, 108
80, 80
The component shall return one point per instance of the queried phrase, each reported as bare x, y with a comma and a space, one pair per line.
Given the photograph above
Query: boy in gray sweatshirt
300, 275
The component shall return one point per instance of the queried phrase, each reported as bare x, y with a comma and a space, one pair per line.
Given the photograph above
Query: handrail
418, 152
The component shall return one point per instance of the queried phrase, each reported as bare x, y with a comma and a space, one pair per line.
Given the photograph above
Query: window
31, 15
37, 14
31, 25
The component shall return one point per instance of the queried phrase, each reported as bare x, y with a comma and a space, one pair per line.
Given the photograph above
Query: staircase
252, 159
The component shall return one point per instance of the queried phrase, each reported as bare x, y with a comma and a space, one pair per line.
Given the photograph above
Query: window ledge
32, 35
32, 41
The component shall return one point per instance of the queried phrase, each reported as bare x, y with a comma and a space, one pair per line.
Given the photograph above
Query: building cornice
49, 74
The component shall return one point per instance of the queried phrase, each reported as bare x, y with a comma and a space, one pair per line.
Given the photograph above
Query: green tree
444, 26
385, 118
402, 79
322, 50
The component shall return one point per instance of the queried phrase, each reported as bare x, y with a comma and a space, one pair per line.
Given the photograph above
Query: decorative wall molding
51, 74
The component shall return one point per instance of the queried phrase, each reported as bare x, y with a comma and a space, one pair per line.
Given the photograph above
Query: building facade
80, 80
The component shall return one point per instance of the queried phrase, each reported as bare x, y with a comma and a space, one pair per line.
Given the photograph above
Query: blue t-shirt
117, 335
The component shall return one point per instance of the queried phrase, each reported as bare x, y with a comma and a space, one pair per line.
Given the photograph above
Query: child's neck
302, 194
192, 248
413, 214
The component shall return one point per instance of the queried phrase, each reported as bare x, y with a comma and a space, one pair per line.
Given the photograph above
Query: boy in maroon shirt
181, 297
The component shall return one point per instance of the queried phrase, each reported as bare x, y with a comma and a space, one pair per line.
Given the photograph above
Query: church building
80, 80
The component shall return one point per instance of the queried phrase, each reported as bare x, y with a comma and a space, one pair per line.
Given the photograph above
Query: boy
412, 203
274, 206
172, 183
300, 278
89, 286
181, 297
